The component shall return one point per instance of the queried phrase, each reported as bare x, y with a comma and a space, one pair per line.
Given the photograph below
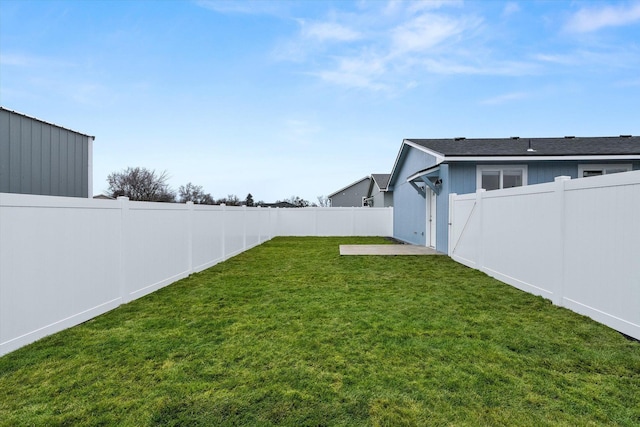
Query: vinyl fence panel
59, 264
337, 221
576, 242
66, 260
156, 246
207, 236
602, 250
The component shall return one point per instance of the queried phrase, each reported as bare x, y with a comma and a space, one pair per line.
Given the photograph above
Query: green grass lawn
290, 333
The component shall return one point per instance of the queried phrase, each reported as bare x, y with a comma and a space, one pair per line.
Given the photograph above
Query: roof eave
348, 186
373, 179
93, 138
496, 158
407, 142
439, 156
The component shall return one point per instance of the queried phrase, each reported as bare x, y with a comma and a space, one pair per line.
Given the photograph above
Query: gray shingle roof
567, 146
382, 179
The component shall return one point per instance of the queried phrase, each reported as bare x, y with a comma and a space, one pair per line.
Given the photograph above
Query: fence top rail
61, 202
612, 180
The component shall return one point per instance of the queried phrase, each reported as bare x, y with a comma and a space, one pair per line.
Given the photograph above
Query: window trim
602, 166
501, 169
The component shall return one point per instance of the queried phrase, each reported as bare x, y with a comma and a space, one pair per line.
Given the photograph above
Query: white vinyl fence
66, 260
575, 242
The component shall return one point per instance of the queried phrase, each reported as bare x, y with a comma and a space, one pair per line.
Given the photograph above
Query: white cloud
629, 83
506, 98
361, 72
560, 59
246, 7
606, 57
375, 62
593, 19
510, 8
383, 48
417, 6
495, 68
299, 131
22, 60
328, 31
424, 32
312, 38
15, 60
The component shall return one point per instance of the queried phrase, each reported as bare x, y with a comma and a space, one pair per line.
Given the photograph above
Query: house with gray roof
379, 195
353, 195
372, 191
426, 171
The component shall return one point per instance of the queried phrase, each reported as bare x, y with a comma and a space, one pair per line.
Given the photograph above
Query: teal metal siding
40, 158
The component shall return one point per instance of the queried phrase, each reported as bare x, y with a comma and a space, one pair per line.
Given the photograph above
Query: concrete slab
387, 250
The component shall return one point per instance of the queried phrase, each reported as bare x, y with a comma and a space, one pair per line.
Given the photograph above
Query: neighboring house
278, 205
103, 197
426, 171
379, 195
37, 157
353, 195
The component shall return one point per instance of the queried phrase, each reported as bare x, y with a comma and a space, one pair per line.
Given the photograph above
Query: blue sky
303, 98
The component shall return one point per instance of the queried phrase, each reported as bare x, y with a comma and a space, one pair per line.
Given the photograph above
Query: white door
431, 218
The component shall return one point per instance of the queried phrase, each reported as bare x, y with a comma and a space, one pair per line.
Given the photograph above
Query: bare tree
230, 200
296, 201
195, 194
141, 184
323, 201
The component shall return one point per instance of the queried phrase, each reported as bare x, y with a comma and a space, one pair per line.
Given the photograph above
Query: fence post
223, 234
274, 226
558, 291
452, 206
190, 213
353, 220
244, 228
315, 221
124, 226
480, 243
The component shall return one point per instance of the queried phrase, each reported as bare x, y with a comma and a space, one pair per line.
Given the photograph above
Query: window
585, 171
497, 177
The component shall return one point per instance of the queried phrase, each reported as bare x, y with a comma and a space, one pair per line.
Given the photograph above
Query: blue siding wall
463, 175
442, 209
541, 172
410, 207
460, 178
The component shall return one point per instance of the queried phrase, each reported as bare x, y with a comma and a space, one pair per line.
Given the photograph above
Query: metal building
37, 157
